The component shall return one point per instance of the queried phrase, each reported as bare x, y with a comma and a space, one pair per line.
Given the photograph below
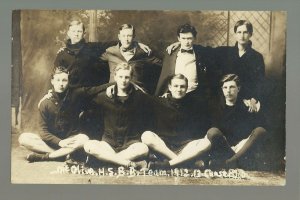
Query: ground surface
52, 173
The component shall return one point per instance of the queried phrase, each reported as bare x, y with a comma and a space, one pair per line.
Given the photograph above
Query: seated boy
180, 122
59, 133
236, 132
126, 116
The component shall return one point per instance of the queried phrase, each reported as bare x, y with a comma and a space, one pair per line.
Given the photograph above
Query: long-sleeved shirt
146, 68
125, 118
236, 122
180, 120
249, 67
83, 64
59, 115
205, 70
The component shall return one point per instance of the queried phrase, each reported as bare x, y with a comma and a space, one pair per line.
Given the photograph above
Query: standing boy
193, 61
146, 67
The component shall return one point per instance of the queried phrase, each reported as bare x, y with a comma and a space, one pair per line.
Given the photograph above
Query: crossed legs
103, 151
34, 143
190, 151
219, 143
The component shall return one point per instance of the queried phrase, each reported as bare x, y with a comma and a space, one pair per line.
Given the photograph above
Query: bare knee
82, 137
148, 138
90, 146
141, 148
204, 142
25, 139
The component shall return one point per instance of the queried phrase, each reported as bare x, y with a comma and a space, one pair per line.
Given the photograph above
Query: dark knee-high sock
253, 140
220, 147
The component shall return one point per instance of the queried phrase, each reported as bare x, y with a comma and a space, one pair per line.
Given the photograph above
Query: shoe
159, 165
78, 155
141, 165
72, 162
199, 164
36, 157
152, 157
216, 165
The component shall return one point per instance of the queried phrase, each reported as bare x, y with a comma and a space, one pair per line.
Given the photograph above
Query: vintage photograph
148, 97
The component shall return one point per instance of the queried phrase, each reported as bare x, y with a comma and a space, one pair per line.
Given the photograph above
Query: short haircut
124, 66
77, 22
230, 77
59, 70
127, 26
244, 22
178, 76
186, 28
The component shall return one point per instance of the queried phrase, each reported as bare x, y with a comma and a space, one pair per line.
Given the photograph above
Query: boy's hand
172, 47
46, 96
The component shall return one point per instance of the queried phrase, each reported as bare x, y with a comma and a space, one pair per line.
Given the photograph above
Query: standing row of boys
189, 123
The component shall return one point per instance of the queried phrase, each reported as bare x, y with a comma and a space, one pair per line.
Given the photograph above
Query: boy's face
75, 33
178, 88
230, 91
186, 40
123, 78
242, 35
126, 37
60, 82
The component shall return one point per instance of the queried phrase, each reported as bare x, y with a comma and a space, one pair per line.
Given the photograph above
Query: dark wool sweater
236, 122
59, 115
125, 119
250, 68
180, 120
82, 61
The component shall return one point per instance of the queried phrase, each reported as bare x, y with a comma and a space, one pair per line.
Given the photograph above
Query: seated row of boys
174, 126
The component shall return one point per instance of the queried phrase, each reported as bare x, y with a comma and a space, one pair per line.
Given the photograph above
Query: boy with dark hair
193, 61
236, 132
81, 58
57, 135
186, 28
180, 122
242, 60
60, 133
146, 67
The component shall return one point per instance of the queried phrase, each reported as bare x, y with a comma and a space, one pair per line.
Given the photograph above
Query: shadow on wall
42, 33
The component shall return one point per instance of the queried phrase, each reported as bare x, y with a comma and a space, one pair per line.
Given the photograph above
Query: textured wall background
42, 33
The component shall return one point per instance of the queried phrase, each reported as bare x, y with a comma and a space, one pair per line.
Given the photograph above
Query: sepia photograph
148, 97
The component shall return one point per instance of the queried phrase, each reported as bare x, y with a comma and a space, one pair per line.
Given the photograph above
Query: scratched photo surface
39, 36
